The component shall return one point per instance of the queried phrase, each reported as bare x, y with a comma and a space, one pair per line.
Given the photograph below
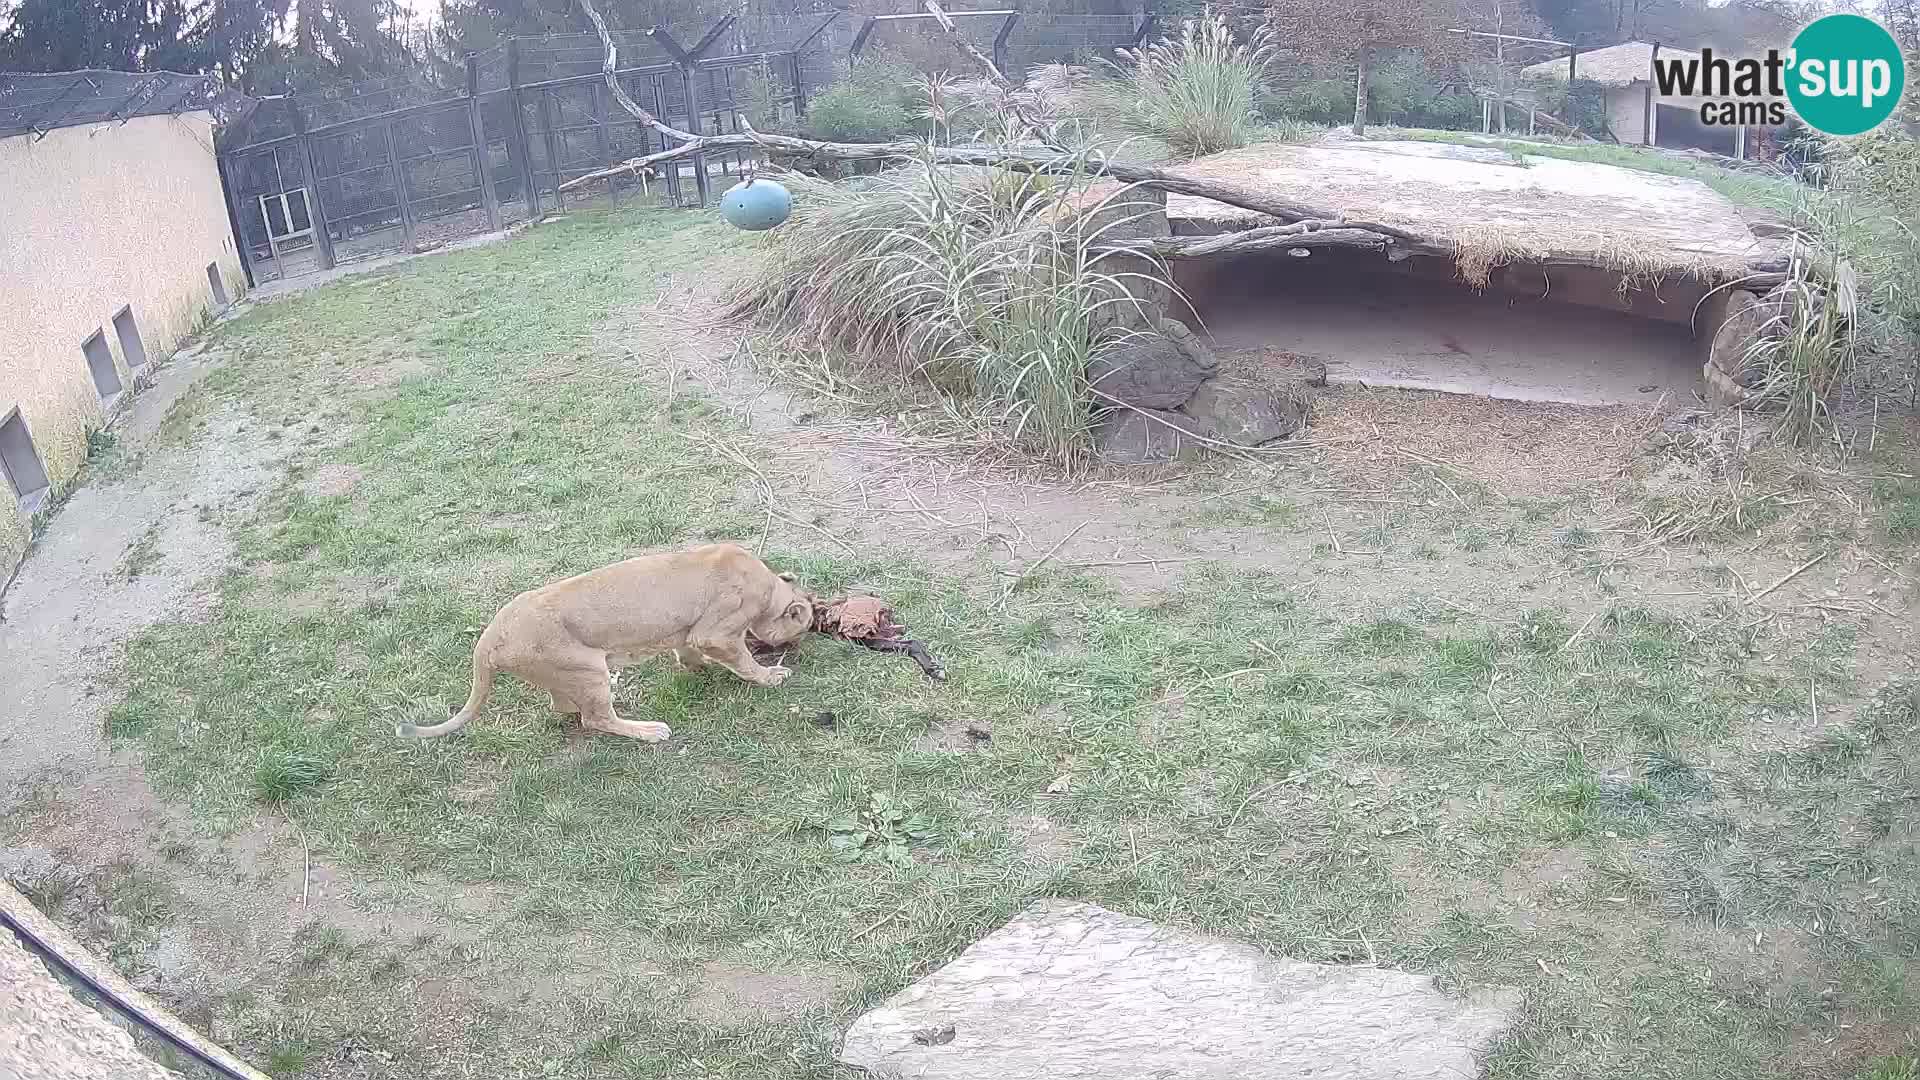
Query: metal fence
318, 179
357, 171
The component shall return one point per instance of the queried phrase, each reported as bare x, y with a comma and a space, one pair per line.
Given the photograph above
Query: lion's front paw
776, 675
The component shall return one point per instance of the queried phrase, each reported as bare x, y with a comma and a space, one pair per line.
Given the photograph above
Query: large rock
1144, 436
1074, 990
1747, 319
1723, 392
1153, 370
1136, 294
1246, 413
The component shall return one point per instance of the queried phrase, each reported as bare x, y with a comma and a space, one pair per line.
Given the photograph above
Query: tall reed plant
989, 285
1199, 92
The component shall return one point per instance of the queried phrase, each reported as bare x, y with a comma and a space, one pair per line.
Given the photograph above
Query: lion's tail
476, 699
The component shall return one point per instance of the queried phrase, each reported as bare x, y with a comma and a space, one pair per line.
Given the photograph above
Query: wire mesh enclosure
358, 171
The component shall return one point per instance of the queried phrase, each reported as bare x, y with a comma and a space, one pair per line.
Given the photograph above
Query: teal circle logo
1847, 74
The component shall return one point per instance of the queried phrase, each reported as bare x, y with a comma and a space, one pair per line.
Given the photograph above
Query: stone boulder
1144, 437
1747, 319
1157, 369
1074, 990
1247, 414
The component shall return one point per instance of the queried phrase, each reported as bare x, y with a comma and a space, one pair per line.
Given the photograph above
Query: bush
872, 101
1197, 93
1582, 103
1317, 101
970, 279
1400, 90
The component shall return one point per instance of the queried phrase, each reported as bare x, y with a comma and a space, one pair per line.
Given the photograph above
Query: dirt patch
350, 593
73, 603
955, 736
1043, 842
331, 481
731, 994
390, 370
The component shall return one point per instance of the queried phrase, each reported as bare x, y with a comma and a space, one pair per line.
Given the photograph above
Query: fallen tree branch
608, 65
1037, 160
986, 65
1302, 225
967, 48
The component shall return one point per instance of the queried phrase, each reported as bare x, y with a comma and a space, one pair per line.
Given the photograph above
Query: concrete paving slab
1074, 990
1479, 193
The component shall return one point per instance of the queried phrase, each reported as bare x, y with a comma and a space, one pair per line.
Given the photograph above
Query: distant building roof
1616, 65
42, 103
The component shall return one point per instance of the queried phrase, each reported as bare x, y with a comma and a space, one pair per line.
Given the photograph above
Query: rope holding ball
754, 204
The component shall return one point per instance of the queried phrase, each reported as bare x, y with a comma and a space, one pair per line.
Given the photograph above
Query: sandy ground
47, 1034
1386, 330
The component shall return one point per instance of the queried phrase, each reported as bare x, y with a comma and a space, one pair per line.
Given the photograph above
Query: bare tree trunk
1500, 65
1360, 94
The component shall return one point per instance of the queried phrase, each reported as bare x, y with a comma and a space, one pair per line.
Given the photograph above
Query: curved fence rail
156, 1033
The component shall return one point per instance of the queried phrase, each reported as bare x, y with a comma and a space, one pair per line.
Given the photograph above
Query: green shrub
1197, 93
281, 774
1581, 103
872, 101
1316, 101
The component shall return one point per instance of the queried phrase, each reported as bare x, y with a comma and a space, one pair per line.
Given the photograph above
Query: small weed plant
882, 831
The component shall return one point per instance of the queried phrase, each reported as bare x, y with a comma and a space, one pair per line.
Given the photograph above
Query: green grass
1900, 509
1243, 754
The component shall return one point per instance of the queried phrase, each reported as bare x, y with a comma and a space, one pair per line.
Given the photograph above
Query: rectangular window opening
106, 378
131, 346
20, 462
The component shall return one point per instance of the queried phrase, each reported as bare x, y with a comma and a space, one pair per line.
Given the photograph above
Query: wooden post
1573, 69
1000, 43
230, 188
482, 160
690, 86
860, 39
673, 167
1500, 63
799, 83
1647, 118
553, 149
316, 202
597, 102
1360, 93
1146, 24
522, 146
400, 190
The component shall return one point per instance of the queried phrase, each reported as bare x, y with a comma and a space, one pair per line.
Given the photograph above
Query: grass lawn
1595, 802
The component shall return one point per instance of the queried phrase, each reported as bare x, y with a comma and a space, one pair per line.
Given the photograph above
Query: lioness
566, 637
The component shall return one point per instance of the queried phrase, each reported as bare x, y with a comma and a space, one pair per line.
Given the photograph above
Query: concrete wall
93, 219
1627, 113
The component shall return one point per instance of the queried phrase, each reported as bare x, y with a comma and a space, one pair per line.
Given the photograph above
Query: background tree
257, 45
1359, 30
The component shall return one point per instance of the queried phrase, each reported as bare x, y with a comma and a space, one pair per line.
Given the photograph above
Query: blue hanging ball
756, 205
